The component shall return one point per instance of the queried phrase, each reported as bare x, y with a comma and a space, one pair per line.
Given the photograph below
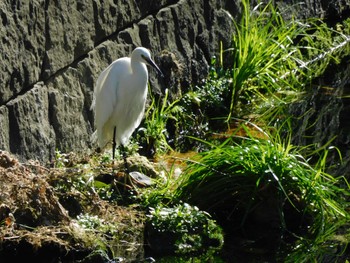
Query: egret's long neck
139, 69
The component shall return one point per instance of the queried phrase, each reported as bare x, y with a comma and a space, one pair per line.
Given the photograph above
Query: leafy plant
154, 133
95, 223
212, 95
183, 227
96, 233
60, 159
201, 107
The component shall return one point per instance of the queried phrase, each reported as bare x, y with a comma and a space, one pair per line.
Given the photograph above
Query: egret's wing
105, 97
99, 84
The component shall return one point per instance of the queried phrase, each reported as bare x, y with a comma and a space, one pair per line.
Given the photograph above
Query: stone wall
52, 52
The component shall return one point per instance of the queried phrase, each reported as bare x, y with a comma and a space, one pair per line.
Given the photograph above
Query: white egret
119, 99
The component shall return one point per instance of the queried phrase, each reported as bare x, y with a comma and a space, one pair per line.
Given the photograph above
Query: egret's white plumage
120, 96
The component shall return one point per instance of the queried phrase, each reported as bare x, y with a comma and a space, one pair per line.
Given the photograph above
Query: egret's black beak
151, 63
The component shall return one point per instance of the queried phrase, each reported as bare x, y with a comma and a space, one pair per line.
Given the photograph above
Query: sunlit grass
328, 246
240, 174
272, 56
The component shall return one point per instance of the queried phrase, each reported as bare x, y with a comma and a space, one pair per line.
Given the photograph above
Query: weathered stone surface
31, 134
4, 129
53, 51
332, 10
67, 112
69, 33
22, 46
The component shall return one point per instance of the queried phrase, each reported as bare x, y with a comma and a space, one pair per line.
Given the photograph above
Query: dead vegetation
56, 215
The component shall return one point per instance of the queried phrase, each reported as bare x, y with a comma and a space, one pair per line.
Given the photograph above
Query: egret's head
143, 55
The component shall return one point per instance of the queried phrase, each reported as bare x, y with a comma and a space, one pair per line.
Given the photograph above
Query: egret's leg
114, 144
124, 157
127, 178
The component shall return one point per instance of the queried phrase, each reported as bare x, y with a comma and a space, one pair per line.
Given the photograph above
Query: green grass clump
242, 170
153, 136
272, 56
238, 178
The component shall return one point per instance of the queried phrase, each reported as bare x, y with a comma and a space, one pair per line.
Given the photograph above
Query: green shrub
182, 229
